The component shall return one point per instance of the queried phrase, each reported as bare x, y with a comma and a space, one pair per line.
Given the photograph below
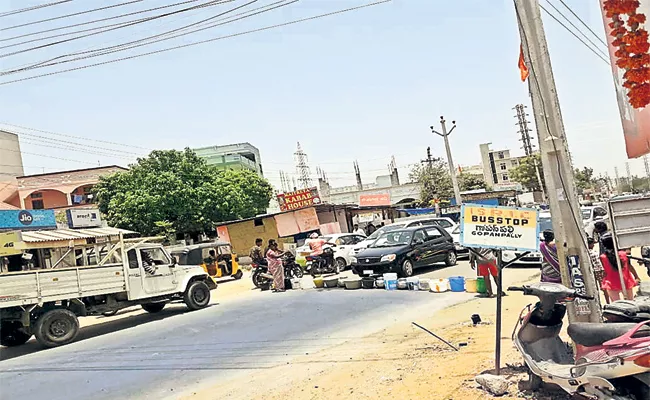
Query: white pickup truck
47, 302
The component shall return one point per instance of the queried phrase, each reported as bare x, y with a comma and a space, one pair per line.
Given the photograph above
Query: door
136, 291
346, 245
156, 271
438, 243
420, 248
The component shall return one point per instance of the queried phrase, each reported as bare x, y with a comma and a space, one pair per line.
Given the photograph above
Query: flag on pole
523, 69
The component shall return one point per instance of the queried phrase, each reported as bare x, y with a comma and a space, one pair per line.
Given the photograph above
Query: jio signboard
498, 227
27, 219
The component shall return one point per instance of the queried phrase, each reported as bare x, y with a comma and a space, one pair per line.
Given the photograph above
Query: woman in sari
274, 259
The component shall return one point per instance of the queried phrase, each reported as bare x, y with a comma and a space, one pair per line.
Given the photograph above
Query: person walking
550, 262
612, 279
274, 259
485, 262
597, 266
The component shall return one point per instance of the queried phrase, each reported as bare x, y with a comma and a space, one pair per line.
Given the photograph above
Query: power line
148, 19
93, 22
199, 42
576, 36
116, 48
583, 23
69, 15
578, 29
56, 141
23, 10
72, 136
53, 145
45, 155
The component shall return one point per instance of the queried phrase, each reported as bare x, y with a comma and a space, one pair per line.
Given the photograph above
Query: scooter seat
594, 334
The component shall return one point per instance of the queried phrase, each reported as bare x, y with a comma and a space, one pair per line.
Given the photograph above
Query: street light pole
450, 161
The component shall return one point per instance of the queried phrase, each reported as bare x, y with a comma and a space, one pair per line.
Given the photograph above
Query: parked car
591, 215
344, 242
447, 223
534, 258
461, 251
403, 250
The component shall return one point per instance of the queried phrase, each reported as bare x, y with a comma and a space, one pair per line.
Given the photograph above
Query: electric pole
618, 180
302, 169
450, 161
629, 176
575, 262
647, 168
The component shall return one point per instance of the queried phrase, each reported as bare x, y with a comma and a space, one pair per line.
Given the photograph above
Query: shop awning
71, 234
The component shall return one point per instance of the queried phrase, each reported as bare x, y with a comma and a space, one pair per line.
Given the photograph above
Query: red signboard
382, 199
299, 199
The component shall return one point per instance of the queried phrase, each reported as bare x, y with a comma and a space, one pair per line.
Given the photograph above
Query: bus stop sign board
497, 227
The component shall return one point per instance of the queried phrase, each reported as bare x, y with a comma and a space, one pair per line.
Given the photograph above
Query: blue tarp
418, 211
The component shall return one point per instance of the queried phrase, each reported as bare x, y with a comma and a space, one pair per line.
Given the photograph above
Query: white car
446, 223
533, 258
591, 215
342, 251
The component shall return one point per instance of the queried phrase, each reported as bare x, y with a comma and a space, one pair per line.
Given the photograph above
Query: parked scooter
263, 279
611, 362
323, 264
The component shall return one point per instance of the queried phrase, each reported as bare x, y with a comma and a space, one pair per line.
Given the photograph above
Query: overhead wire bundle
229, 12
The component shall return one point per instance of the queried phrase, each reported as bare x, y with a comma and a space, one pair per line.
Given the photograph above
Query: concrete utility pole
450, 161
573, 254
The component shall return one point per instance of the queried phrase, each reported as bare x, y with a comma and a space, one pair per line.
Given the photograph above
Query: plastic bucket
368, 283
471, 285
439, 285
457, 284
480, 285
413, 283
390, 284
391, 276
295, 283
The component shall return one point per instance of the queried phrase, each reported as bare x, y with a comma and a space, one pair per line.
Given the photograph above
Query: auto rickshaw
216, 258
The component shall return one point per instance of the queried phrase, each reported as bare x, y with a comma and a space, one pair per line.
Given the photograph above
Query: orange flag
523, 69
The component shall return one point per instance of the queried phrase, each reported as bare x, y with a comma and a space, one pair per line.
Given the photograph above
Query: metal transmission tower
302, 169
618, 180
357, 174
524, 131
646, 163
285, 182
629, 175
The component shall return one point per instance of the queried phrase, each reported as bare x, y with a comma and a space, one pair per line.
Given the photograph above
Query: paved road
159, 356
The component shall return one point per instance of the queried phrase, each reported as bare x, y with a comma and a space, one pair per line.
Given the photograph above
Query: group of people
604, 263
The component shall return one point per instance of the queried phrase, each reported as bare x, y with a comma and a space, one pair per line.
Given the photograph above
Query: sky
363, 85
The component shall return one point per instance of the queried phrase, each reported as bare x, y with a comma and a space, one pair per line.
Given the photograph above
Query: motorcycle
322, 264
263, 279
611, 360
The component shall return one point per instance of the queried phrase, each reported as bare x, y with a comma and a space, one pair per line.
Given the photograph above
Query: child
612, 280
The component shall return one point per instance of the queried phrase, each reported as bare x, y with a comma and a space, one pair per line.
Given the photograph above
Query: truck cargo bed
37, 287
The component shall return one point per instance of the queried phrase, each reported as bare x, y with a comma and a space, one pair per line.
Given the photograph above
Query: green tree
471, 182
177, 192
584, 178
434, 181
526, 175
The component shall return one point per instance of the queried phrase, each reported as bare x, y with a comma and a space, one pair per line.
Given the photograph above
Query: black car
405, 249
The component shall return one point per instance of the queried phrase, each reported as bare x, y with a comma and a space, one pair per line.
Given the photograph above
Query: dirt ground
402, 362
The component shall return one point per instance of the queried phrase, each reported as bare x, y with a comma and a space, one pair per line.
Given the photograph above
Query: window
503, 166
504, 177
514, 163
37, 204
345, 240
500, 155
133, 259
434, 233
154, 256
442, 223
419, 236
258, 222
37, 195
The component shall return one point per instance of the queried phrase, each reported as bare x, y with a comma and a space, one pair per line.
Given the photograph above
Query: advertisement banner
222, 233
331, 228
299, 199
289, 224
635, 121
381, 199
499, 227
27, 219
83, 218
10, 243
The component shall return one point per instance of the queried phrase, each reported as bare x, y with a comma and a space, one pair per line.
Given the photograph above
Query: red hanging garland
632, 48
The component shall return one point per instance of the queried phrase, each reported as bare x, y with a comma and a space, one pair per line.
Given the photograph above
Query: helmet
313, 235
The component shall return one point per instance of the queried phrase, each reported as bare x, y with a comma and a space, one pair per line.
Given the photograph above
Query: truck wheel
238, 275
13, 334
56, 327
153, 307
197, 295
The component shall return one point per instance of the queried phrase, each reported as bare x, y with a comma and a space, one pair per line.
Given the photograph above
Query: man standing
357, 230
485, 261
257, 254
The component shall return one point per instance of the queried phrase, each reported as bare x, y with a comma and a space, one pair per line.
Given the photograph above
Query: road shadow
98, 329
432, 268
